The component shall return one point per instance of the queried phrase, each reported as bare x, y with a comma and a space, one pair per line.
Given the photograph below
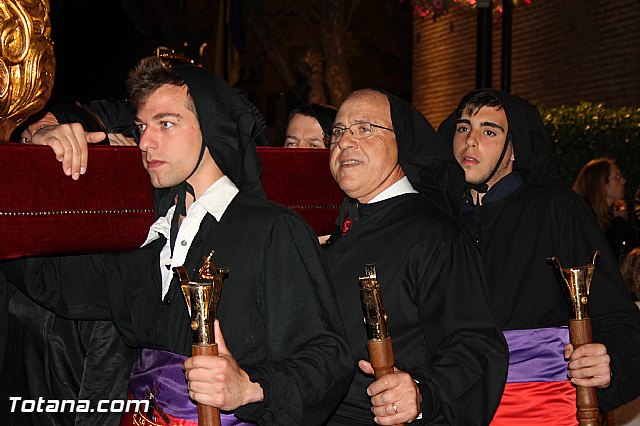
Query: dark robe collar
501, 190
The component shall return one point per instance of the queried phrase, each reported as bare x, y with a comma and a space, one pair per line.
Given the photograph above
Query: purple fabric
163, 370
537, 355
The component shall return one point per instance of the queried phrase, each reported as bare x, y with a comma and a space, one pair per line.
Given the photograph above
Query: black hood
426, 160
325, 115
229, 128
531, 144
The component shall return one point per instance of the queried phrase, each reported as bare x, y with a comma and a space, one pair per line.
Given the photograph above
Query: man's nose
347, 140
471, 140
146, 141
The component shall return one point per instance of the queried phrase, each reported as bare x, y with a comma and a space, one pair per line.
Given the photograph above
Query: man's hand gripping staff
202, 302
375, 320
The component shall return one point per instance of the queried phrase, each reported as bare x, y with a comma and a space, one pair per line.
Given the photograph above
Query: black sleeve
106, 369
462, 378
117, 287
615, 318
309, 365
70, 286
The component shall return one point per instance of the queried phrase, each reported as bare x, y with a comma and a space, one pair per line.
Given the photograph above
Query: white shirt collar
214, 200
403, 186
218, 196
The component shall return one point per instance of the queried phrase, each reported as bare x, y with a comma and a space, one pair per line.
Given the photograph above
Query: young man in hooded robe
519, 215
283, 357
450, 358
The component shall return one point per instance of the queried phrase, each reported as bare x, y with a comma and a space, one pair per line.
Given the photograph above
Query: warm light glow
437, 8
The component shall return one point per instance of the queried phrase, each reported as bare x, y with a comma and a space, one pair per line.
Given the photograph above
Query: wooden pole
207, 414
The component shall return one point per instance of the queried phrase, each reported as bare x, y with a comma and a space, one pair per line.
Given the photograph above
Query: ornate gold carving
207, 270
375, 317
202, 299
27, 61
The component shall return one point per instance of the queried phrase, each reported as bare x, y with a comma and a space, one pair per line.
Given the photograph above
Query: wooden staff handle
381, 358
586, 398
207, 415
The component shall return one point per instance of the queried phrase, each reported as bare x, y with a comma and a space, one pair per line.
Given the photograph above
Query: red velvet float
110, 208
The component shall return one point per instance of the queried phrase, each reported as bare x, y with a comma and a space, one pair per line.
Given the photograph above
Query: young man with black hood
450, 358
519, 215
283, 356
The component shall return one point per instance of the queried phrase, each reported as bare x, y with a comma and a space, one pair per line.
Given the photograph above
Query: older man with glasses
450, 358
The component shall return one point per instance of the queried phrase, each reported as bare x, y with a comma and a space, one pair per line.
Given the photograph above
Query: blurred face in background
615, 184
304, 132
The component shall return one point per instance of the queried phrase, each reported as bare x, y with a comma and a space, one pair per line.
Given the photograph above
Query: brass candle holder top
375, 317
202, 299
577, 282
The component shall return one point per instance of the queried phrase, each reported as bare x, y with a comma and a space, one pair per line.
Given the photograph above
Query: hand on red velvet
589, 365
218, 380
118, 139
69, 143
395, 398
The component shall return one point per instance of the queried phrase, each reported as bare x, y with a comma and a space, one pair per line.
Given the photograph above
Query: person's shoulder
432, 206
556, 199
552, 192
428, 213
267, 211
262, 206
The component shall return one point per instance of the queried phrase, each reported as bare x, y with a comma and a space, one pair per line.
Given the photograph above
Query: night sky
95, 46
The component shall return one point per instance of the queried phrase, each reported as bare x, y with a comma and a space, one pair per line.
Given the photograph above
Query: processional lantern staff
202, 297
27, 61
375, 320
577, 282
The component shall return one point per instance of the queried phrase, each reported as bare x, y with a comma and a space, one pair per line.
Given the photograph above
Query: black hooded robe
432, 287
517, 231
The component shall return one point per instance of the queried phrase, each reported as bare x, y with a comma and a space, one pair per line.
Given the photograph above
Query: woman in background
601, 184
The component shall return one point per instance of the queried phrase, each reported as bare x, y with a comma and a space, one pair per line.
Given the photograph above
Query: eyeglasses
362, 130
